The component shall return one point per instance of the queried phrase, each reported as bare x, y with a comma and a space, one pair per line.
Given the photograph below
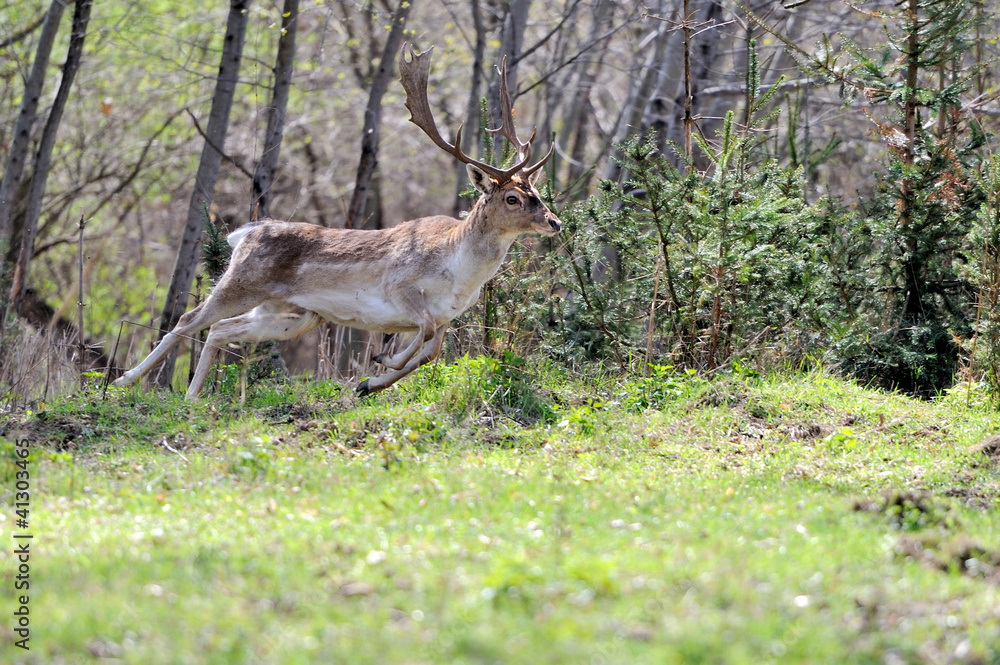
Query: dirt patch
980, 498
283, 414
930, 525
806, 431
61, 432
910, 510
989, 448
812, 431
729, 395
959, 555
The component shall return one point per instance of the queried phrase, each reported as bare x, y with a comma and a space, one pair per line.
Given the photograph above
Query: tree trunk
22, 130
269, 362
204, 185
578, 117
913, 306
688, 93
81, 16
706, 49
360, 201
634, 108
365, 208
472, 129
263, 176
511, 45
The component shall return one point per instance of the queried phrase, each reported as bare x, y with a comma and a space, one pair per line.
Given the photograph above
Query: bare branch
24, 32
518, 57
579, 54
229, 158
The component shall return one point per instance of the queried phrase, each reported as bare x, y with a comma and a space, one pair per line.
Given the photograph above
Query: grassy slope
487, 514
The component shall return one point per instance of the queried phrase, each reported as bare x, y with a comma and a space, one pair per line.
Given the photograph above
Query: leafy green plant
215, 249
679, 267
255, 461
485, 383
665, 384
841, 440
983, 272
691, 269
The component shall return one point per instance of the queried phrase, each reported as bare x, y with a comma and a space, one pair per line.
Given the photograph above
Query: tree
26, 119
267, 165
929, 196
579, 111
43, 157
360, 206
642, 85
924, 205
471, 134
515, 20
208, 170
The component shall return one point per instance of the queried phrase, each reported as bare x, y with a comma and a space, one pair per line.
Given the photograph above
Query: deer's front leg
428, 352
411, 300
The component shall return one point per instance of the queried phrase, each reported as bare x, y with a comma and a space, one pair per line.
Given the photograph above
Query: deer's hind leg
263, 323
221, 304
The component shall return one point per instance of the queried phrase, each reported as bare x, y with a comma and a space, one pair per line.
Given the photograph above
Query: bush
693, 269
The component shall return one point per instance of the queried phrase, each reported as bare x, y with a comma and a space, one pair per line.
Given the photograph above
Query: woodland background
806, 182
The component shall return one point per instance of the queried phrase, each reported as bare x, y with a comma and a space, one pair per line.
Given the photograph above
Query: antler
507, 128
509, 131
413, 74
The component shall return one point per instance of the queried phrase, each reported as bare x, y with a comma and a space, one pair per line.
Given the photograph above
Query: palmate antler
509, 131
413, 74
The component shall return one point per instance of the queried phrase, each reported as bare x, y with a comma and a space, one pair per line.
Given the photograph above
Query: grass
494, 512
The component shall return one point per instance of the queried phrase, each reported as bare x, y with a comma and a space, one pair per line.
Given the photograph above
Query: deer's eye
512, 200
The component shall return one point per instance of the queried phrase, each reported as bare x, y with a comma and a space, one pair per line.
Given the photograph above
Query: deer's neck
483, 238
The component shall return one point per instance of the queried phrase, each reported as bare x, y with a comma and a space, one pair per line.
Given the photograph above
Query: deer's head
515, 206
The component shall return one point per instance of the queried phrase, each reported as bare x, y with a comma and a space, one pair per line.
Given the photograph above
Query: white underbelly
357, 309
369, 309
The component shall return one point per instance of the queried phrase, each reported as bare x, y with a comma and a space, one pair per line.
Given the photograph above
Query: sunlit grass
484, 513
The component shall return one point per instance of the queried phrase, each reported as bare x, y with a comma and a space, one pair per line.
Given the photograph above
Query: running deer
285, 278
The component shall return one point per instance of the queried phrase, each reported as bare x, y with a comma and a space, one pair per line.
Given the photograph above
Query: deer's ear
481, 180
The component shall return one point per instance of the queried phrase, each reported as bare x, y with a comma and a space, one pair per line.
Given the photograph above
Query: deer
285, 278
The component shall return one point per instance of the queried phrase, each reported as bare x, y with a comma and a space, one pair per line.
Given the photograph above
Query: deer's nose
555, 223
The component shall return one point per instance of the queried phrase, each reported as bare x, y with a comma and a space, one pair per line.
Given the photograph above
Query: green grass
492, 512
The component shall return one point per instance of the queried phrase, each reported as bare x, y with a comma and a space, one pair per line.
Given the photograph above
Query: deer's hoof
379, 358
125, 379
363, 390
